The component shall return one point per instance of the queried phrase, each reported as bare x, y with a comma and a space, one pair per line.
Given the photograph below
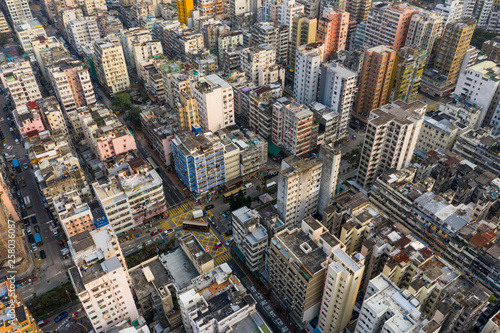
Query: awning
238, 253
273, 150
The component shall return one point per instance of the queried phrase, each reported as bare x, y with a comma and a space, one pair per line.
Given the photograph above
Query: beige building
17, 316
110, 65
202, 260
391, 138
53, 117
4, 26
74, 215
437, 132
48, 51
19, 11
493, 325
303, 32
94, 7
256, 61
298, 189
28, 31
18, 78
82, 31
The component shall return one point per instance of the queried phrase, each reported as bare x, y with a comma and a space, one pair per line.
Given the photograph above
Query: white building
478, 85
250, 237
143, 52
386, 308
110, 65
94, 7
19, 11
286, 12
337, 90
438, 132
215, 100
451, 10
299, 184
391, 138
308, 61
27, 32
43, 49
342, 282
82, 31
330, 156
493, 325
255, 61
101, 280
130, 38
425, 27
18, 78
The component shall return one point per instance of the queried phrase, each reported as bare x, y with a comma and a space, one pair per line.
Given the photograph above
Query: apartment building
391, 137
328, 121
330, 156
215, 100
299, 183
274, 35
378, 65
110, 65
17, 316
359, 10
425, 28
28, 118
4, 26
493, 324
478, 85
342, 282
303, 32
129, 39
438, 132
466, 113
101, 279
407, 74
19, 11
48, 51
260, 115
388, 24
28, 31
106, 135
72, 84
307, 68
74, 215
53, 117
286, 12
337, 89
158, 127
251, 238
82, 31
293, 127
225, 41
254, 63
201, 259
332, 31
18, 79
208, 172
184, 8
297, 265
94, 7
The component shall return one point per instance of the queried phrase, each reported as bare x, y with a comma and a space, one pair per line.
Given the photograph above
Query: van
229, 241
248, 185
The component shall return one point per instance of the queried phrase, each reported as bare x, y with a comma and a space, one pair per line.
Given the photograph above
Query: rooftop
180, 267
488, 69
149, 278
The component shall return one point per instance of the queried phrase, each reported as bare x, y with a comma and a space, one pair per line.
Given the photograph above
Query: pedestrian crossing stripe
228, 237
222, 258
179, 209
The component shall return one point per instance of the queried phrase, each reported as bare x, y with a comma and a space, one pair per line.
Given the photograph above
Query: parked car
155, 232
25, 165
42, 322
28, 230
31, 239
55, 232
42, 254
169, 232
61, 316
33, 219
49, 213
208, 207
37, 229
34, 247
229, 232
217, 245
229, 241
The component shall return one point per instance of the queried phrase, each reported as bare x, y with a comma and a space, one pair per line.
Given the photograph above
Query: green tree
134, 116
122, 101
4, 38
232, 203
480, 36
249, 202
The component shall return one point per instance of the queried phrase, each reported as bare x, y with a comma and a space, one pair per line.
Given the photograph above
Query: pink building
28, 118
114, 142
332, 31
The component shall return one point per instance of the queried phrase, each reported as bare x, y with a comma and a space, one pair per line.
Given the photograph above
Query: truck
15, 164
271, 185
27, 201
198, 213
38, 239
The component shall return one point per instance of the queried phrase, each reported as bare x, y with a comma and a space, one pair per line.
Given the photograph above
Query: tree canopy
480, 36
134, 116
122, 101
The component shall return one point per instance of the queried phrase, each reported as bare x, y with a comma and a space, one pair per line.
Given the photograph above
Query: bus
271, 185
196, 225
153, 164
233, 193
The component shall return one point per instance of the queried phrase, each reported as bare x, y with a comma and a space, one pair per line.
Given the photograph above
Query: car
49, 213
248, 185
9, 148
61, 316
217, 245
31, 239
34, 247
37, 229
55, 232
42, 254
28, 230
153, 233
42, 322
53, 224
26, 221
229, 232
33, 219
17, 141
229, 241
24, 214
25, 166
208, 207
169, 232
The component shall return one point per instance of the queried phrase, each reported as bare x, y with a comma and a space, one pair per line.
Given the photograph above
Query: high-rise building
307, 68
4, 26
343, 278
131, 38
286, 12
332, 31
374, 81
273, 35
451, 10
294, 127
215, 100
303, 32
16, 315
255, 61
449, 56
110, 65
358, 9
74, 215
388, 24
101, 279
53, 116
19, 11
27, 32
407, 74
493, 325
391, 137
82, 31
18, 78
330, 156
425, 28
184, 8
72, 84
297, 263
337, 90
94, 7
299, 184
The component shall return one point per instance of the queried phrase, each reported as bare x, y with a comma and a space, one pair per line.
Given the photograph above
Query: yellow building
187, 112
407, 73
184, 8
16, 316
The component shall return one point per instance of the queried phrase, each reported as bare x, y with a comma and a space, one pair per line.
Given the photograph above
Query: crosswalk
222, 258
226, 238
179, 209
